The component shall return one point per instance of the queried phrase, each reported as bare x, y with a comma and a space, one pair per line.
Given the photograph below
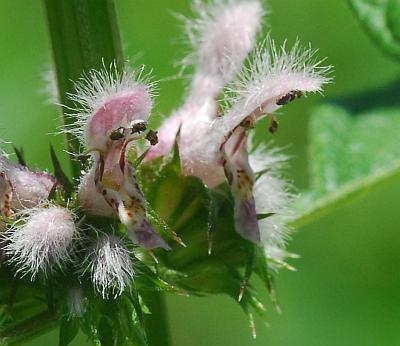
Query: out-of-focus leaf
354, 146
19, 152
380, 18
69, 328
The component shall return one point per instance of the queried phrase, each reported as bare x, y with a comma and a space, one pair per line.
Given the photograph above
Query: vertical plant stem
156, 324
84, 35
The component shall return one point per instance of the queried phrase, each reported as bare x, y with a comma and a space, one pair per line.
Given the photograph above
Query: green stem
29, 329
84, 35
349, 192
156, 324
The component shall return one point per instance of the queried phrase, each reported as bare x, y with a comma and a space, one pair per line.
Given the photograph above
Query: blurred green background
347, 287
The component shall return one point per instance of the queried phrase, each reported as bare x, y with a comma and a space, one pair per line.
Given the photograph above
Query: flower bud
29, 188
110, 266
41, 239
75, 301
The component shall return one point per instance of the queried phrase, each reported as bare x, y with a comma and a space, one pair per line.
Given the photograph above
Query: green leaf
69, 328
28, 329
380, 18
195, 214
264, 216
113, 322
354, 147
59, 173
19, 152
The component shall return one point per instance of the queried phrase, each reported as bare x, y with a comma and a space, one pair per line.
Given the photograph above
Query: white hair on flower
273, 194
272, 78
40, 240
110, 266
75, 301
132, 88
221, 35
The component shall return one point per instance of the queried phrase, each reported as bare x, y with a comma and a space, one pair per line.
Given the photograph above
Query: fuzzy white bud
41, 240
110, 266
75, 301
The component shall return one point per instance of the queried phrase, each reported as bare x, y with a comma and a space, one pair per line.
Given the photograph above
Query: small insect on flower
40, 240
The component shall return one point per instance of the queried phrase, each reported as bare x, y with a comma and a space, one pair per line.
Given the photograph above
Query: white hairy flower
273, 195
221, 34
116, 106
40, 240
272, 79
109, 100
213, 141
110, 266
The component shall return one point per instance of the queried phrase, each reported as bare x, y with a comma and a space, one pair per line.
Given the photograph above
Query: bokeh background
346, 290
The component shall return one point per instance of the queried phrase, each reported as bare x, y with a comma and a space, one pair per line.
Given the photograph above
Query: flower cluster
111, 220
213, 135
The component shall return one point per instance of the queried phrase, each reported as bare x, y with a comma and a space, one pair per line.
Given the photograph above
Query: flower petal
5, 196
221, 35
145, 236
118, 186
240, 178
29, 188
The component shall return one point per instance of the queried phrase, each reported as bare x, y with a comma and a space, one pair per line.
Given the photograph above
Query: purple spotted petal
146, 237
245, 217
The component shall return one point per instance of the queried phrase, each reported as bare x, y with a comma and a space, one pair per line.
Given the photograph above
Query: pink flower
213, 139
21, 188
221, 35
116, 110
